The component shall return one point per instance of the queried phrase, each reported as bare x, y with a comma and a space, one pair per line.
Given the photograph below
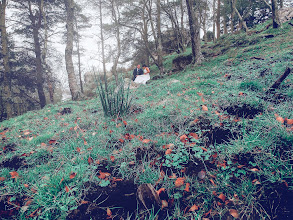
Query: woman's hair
144, 65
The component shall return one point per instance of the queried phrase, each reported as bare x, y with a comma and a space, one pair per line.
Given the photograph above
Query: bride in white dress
145, 77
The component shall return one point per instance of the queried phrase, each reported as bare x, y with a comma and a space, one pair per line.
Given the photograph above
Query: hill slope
210, 140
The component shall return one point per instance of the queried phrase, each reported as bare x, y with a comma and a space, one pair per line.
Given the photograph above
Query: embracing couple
141, 75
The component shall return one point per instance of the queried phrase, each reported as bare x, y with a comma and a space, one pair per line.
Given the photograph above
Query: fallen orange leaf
187, 187
2, 178
222, 197
168, 151
193, 208
103, 175
78, 149
179, 182
194, 135
280, 119
234, 213
109, 213
289, 121
112, 158
164, 204
14, 174
90, 160
256, 182
183, 138
204, 149
145, 141
72, 175
254, 169
124, 122
121, 140
204, 108
66, 189
25, 185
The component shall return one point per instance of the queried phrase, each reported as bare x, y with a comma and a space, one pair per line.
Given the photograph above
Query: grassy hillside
211, 141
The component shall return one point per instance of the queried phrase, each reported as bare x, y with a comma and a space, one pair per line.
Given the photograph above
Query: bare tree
7, 70
218, 19
75, 93
194, 32
242, 22
275, 16
116, 20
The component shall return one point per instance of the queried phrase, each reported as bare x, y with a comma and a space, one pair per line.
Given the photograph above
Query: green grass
168, 109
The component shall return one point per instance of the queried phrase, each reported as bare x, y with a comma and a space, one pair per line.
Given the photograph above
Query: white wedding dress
142, 79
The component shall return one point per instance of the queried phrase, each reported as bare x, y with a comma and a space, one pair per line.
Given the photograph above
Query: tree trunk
159, 37
51, 91
275, 16
194, 33
117, 30
204, 23
75, 93
233, 5
36, 25
7, 70
218, 19
243, 23
103, 46
78, 55
214, 20
182, 26
225, 24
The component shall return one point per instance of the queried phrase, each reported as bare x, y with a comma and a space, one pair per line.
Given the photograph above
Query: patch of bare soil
10, 206
242, 111
119, 197
13, 163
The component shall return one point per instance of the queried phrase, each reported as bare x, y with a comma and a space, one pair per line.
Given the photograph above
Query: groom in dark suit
137, 71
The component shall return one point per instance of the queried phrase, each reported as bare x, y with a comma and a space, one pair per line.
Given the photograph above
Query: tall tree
35, 17
159, 39
75, 92
275, 15
102, 42
218, 19
242, 21
7, 70
194, 32
232, 5
214, 20
115, 11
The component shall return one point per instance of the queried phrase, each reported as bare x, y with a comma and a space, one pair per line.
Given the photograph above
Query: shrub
115, 100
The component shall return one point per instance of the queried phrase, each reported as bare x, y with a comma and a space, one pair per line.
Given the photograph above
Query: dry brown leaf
222, 197
179, 182
193, 208
234, 213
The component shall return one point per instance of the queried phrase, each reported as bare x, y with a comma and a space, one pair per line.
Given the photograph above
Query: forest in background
127, 32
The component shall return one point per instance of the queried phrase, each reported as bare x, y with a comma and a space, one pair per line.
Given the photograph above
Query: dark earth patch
120, 197
277, 201
13, 163
10, 205
243, 111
